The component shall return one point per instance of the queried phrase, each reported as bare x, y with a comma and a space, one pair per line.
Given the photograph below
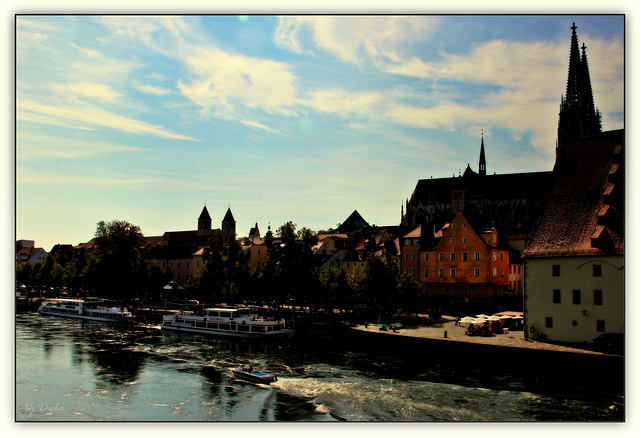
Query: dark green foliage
116, 268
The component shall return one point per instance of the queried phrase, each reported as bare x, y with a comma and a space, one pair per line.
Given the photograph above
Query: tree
297, 276
408, 292
119, 269
24, 273
44, 273
237, 268
76, 271
358, 281
334, 286
382, 277
211, 280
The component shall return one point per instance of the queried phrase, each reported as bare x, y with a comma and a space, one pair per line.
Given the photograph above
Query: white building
574, 262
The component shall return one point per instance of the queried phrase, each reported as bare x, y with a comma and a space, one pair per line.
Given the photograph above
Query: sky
301, 118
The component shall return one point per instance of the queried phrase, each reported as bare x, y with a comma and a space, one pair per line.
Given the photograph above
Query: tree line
117, 268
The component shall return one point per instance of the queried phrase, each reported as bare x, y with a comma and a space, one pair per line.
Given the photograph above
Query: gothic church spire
482, 165
578, 115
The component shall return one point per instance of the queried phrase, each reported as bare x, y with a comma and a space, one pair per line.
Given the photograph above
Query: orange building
459, 262
410, 252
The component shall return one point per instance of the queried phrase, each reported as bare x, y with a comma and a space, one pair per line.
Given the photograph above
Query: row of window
597, 270
471, 288
452, 257
600, 324
577, 296
164, 264
452, 272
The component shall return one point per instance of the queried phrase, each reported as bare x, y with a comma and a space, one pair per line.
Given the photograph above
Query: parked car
609, 343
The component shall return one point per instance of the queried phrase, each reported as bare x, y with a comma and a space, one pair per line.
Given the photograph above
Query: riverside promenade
496, 357
456, 334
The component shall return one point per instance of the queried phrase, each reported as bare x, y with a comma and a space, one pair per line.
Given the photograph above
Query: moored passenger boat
92, 310
229, 322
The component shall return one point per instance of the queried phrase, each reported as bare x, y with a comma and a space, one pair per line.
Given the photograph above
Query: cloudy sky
294, 118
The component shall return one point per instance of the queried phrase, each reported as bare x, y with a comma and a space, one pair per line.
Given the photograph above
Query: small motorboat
251, 375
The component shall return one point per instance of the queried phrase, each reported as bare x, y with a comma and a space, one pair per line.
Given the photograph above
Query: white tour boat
92, 310
228, 322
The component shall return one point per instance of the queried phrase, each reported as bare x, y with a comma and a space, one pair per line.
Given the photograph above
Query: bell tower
229, 225
204, 223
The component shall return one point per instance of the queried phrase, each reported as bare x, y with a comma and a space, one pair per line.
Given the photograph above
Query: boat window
212, 325
224, 327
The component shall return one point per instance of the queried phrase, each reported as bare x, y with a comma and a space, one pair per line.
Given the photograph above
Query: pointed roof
354, 221
586, 92
483, 161
578, 114
229, 216
468, 172
572, 94
204, 216
255, 231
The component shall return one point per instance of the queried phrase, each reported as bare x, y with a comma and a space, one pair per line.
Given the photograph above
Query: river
70, 370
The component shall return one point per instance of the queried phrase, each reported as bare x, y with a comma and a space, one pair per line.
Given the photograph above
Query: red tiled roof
583, 210
416, 232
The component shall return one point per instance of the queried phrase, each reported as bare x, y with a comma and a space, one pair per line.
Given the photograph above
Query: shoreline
456, 334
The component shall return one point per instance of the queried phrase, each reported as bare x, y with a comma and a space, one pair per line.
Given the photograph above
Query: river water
69, 370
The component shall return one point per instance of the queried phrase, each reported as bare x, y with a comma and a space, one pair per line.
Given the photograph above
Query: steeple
578, 115
204, 223
229, 225
482, 165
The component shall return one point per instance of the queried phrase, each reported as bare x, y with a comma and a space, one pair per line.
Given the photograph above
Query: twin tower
228, 224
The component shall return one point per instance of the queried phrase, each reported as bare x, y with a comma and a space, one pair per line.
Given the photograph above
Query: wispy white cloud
89, 53
371, 39
345, 103
257, 125
515, 85
94, 91
153, 89
38, 147
91, 117
222, 82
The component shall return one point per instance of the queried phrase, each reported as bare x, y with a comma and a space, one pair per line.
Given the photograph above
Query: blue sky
295, 118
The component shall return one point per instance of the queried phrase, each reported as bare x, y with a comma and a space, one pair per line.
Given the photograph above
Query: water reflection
103, 372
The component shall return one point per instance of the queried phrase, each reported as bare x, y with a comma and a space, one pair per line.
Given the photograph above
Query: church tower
482, 165
204, 223
578, 115
229, 225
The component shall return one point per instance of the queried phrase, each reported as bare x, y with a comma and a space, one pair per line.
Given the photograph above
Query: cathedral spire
578, 115
483, 162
